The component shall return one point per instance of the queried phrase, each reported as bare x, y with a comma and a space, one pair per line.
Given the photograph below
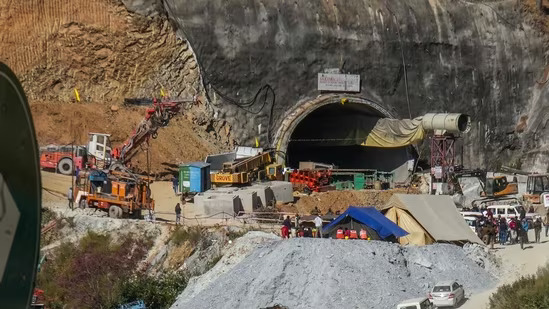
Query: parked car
416, 303
447, 294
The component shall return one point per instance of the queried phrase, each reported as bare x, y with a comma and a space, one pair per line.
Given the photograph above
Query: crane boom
156, 117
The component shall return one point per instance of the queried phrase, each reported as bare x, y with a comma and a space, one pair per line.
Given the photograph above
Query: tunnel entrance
333, 133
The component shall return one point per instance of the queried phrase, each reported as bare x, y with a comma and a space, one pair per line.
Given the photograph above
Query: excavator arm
156, 117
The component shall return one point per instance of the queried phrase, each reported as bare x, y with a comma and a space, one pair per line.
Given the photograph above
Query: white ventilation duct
451, 123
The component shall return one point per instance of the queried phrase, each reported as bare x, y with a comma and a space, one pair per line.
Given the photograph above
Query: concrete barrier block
249, 199
215, 204
265, 196
283, 191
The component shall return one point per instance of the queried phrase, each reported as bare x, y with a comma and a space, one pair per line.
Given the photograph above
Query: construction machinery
121, 194
537, 185
98, 152
156, 117
66, 158
495, 188
247, 170
308, 181
63, 158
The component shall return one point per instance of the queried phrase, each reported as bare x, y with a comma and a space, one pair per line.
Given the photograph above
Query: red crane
156, 117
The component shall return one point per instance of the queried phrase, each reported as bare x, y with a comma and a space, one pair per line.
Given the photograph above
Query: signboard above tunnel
338, 82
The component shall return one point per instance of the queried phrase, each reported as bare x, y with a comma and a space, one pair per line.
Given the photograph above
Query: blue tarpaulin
372, 218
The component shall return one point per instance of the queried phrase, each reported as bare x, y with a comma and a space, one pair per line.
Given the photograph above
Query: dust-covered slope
327, 273
107, 53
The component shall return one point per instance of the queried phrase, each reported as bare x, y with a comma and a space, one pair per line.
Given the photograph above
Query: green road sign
20, 195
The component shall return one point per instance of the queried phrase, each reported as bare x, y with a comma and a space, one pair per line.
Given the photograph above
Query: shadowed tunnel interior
333, 133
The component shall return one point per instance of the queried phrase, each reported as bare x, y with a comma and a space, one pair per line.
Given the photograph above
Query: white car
471, 222
447, 294
416, 303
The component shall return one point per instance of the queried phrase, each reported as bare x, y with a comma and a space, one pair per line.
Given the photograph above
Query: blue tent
366, 217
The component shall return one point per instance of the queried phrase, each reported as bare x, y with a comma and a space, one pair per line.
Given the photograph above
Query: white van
416, 303
509, 211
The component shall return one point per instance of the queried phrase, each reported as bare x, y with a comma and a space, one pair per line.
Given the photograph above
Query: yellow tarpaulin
417, 235
391, 133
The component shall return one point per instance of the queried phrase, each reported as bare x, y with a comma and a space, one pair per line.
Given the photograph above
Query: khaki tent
428, 219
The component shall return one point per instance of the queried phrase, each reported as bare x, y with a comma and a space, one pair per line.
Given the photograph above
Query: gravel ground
233, 255
327, 273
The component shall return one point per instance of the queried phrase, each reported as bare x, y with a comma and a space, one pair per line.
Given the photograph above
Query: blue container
194, 177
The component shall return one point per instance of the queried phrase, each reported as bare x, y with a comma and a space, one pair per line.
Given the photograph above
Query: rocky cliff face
479, 58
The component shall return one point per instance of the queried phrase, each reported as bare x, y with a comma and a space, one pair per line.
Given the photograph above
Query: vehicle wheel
83, 204
115, 211
65, 166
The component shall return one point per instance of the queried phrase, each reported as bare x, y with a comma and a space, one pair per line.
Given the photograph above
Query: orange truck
121, 194
64, 159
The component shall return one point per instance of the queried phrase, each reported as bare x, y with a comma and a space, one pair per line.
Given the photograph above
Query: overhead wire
206, 80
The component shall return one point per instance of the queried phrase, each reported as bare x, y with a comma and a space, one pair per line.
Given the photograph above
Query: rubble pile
327, 273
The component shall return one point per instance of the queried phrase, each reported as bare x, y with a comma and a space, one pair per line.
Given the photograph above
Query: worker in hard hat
318, 226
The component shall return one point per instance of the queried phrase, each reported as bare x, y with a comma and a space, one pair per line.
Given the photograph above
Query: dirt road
515, 262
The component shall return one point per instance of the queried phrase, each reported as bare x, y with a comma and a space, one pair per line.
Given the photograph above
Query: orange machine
310, 180
120, 193
64, 158
536, 185
499, 186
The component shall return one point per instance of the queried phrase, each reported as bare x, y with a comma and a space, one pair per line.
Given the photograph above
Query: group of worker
300, 231
316, 232
351, 234
512, 231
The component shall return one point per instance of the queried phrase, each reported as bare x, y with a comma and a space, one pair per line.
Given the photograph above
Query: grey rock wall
480, 58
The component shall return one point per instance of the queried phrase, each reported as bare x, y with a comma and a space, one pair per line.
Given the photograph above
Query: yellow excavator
495, 188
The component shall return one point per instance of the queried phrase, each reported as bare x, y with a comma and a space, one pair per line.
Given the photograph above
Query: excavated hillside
485, 58
479, 57
107, 53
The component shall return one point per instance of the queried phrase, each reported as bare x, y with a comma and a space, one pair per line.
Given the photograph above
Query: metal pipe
449, 122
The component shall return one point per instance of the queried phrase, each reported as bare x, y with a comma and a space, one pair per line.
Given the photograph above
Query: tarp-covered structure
368, 218
428, 219
390, 133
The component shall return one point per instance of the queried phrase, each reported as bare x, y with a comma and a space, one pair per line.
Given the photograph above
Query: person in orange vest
363, 234
339, 233
347, 233
353, 234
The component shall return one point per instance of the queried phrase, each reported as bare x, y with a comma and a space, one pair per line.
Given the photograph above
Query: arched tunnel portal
325, 130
